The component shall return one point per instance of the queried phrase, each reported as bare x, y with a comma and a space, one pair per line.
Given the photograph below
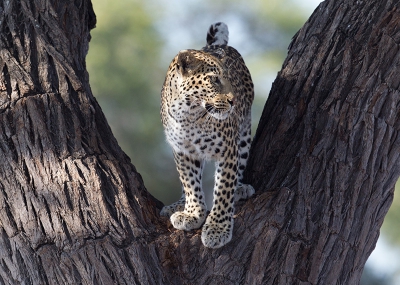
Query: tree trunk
73, 209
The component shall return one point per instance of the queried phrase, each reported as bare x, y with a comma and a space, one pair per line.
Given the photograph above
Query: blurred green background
131, 48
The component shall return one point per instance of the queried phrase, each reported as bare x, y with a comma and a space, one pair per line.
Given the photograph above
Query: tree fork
73, 209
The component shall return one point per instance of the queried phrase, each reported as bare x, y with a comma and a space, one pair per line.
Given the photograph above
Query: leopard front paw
184, 221
216, 235
167, 211
243, 191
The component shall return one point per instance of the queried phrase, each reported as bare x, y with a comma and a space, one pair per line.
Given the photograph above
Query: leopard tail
218, 34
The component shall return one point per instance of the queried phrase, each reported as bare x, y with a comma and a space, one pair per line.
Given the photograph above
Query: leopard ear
187, 63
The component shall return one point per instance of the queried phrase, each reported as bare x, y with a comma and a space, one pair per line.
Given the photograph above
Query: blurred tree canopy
391, 226
125, 76
130, 51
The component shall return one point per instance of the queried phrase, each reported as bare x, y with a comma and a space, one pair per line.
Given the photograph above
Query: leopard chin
221, 115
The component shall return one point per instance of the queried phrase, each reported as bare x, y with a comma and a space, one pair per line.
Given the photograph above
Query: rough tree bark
74, 210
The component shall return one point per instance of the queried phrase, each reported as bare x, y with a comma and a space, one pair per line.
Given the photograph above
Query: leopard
206, 103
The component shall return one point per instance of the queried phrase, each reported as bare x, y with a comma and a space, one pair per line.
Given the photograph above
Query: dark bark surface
74, 210
70, 200
329, 135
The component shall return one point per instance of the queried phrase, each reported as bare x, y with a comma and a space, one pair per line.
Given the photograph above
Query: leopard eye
215, 79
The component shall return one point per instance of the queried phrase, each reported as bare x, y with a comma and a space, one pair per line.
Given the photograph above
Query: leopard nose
230, 97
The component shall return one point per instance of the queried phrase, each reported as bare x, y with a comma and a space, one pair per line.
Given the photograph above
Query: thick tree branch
330, 133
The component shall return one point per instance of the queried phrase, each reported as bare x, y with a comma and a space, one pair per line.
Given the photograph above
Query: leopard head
204, 84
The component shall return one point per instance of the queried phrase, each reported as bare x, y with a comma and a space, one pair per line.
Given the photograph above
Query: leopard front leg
194, 211
217, 230
179, 205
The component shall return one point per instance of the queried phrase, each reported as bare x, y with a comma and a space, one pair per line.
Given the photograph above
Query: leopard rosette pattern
206, 113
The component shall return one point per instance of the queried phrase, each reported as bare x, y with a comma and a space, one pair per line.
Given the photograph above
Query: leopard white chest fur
206, 113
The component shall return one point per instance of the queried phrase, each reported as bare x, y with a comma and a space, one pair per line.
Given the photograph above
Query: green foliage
392, 220
125, 77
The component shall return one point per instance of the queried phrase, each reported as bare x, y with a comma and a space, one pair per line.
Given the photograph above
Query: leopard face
207, 89
206, 113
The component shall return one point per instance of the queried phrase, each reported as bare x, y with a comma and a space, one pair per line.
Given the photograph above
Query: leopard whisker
194, 113
208, 123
